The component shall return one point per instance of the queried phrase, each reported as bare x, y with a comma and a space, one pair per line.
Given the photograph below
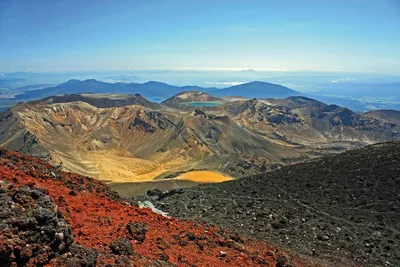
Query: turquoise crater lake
202, 104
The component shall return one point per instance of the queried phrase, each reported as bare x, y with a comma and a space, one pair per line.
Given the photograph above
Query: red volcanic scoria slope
56, 218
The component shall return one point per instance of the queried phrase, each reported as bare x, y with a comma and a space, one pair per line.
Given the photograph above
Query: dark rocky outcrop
31, 229
151, 121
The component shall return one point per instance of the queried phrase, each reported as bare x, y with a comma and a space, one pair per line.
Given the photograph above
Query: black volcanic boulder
31, 229
121, 246
137, 230
78, 256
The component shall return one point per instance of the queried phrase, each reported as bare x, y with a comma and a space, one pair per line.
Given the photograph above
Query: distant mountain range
103, 100
157, 90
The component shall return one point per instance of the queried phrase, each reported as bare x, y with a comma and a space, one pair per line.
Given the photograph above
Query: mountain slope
335, 208
300, 120
98, 136
54, 218
389, 115
87, 139
131, 143
258, 90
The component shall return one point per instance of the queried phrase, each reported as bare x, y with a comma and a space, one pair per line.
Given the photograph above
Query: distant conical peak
72, 81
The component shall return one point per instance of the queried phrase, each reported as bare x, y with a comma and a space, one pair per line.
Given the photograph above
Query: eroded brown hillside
103, 137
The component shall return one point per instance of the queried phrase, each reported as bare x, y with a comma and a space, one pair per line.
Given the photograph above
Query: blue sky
319, 35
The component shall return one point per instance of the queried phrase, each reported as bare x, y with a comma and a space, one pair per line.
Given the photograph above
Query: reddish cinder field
98, 216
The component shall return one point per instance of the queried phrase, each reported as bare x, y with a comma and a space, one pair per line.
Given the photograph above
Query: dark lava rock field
340, 209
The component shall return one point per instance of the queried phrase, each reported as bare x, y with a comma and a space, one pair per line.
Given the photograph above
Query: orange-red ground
97, 217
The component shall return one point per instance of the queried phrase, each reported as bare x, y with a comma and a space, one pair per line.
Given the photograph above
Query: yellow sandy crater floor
126, 169
110, 167
203, 177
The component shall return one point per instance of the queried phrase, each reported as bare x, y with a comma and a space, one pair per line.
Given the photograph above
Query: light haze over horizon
311, 35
